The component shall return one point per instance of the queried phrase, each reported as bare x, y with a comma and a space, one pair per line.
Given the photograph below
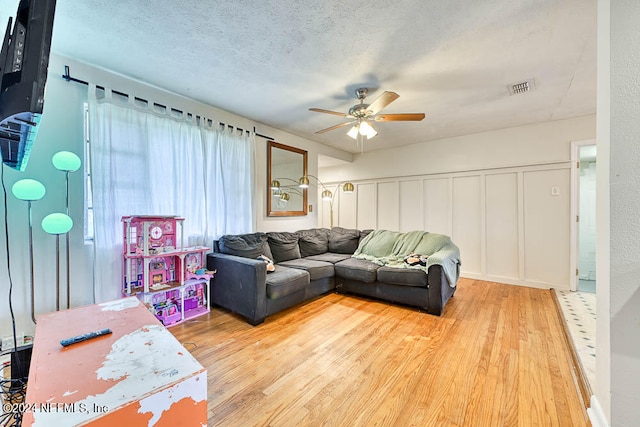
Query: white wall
600, 412
487, 191
624, 187
539, 143
62, 129
293, 223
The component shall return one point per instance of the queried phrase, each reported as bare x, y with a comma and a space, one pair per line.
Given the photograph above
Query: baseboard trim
517, 282
579, 376
596, 414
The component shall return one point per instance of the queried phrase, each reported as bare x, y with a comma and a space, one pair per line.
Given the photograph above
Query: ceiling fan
363, 114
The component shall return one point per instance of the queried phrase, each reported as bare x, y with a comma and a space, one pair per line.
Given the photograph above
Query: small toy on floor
270, 266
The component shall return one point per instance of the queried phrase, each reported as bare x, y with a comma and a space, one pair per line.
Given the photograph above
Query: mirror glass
285, 165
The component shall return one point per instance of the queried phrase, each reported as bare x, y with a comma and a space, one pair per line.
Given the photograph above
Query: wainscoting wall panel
466, 220
411, 205
511, 224
437, 205
545, 236
366, 206
388, 206
502, 245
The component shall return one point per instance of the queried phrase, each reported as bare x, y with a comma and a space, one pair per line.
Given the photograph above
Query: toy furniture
137, 375
167, 277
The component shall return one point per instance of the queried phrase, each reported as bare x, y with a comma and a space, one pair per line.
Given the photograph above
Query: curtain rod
68, 78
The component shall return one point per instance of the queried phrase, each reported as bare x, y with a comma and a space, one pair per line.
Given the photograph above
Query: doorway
584, 158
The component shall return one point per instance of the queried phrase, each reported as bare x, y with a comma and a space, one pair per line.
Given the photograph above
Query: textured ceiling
271, 61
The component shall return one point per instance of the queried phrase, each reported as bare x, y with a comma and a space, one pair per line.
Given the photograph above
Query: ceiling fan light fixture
367, 130
353, 132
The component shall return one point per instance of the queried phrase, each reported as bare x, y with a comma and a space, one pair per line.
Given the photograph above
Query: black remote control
79, 338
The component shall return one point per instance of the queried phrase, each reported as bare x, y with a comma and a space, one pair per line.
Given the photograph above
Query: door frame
575, 210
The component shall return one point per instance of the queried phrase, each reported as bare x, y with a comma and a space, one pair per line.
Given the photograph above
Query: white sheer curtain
143, 164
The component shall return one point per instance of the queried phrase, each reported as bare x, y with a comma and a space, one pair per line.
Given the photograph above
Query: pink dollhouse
167, 277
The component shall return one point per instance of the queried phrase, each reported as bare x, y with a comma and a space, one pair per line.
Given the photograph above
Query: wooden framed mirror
285, 166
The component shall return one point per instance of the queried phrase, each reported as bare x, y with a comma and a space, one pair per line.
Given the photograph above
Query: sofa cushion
316, 269
364, 233
415, 277
245, 245
284, 246
329, 257
286, 281
313, 242
343, 240
357, 269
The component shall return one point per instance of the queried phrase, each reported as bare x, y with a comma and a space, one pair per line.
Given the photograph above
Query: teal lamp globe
57, 223
66, 161
28, 190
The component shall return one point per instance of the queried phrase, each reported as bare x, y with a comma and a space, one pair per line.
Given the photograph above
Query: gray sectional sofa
310, 263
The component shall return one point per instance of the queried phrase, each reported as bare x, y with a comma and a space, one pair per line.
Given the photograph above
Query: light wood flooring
495, 358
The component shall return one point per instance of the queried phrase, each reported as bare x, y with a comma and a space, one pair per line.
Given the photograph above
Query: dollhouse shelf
169, 252
166, 276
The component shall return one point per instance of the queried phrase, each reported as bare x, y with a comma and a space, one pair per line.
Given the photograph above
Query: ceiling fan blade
410, 117
320, 110
382, 101
336, 126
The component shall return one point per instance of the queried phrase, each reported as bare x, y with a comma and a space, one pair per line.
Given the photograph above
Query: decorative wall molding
512, 224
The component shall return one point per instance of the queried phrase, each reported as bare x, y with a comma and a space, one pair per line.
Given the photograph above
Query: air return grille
522, 87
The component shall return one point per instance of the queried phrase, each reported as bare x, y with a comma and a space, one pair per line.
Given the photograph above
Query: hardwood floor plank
496, 357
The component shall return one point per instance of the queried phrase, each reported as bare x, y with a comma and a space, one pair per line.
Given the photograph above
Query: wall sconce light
30, 191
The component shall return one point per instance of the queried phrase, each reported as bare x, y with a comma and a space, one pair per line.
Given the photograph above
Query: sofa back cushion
245, 245
284, 246
343, 240
313, 242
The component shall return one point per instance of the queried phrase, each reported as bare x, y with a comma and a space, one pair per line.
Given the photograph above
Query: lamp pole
327, 194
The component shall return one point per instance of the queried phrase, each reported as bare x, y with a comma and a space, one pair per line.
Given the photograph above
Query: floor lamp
327, 195
66, 162
57, 223
29, 190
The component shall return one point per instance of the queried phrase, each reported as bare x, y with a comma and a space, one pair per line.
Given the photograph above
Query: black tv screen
24, 62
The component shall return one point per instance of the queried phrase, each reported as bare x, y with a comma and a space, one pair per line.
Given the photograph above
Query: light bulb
353, 132
367, 130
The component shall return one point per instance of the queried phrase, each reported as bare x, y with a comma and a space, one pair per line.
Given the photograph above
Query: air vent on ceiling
522, 87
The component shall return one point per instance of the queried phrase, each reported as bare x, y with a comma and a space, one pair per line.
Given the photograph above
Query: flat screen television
24, 62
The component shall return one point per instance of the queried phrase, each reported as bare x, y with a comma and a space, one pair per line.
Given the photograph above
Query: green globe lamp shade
28, 190
57, 223
66, 161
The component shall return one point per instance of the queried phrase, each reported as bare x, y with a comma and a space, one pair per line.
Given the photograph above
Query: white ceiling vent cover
522, 87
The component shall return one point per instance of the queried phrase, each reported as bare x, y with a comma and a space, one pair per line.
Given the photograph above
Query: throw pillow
284, 246
313, 242
245, 245
343, 240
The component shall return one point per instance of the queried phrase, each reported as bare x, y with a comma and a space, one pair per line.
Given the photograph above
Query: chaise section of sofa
310, 263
